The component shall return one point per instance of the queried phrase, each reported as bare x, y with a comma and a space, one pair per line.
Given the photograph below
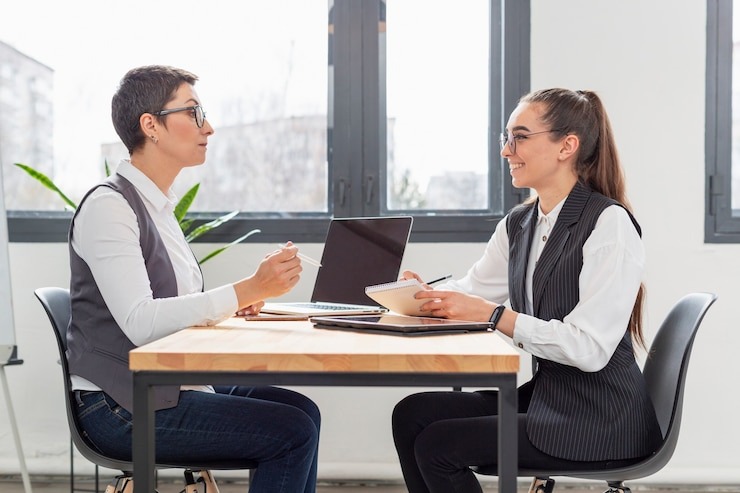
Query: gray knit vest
97, 348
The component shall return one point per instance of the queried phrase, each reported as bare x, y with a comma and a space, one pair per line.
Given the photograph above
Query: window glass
316, 104
263, 82
735, 112
437, 104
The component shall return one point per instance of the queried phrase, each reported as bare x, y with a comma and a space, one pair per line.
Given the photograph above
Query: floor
61, 484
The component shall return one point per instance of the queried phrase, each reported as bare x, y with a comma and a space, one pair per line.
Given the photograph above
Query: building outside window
321, 108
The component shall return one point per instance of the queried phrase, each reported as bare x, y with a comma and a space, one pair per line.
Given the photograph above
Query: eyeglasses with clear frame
198, 113
509, 138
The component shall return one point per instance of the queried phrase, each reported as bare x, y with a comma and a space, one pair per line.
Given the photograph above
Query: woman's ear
149, 126
569, 147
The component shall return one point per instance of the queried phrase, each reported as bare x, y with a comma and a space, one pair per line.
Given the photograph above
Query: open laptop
358, 252
400, 325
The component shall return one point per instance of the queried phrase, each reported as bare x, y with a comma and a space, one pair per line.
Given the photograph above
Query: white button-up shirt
613, 268
106, 237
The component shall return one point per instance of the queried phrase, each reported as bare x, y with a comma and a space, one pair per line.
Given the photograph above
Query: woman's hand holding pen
408, 274
279, 271
451, 304
276, 274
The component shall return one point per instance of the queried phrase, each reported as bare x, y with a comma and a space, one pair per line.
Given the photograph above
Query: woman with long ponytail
562, 277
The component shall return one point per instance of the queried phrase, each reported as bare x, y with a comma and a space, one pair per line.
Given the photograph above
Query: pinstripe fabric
576, 415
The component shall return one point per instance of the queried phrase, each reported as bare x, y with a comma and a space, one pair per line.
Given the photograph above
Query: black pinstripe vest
97, 348
576, 415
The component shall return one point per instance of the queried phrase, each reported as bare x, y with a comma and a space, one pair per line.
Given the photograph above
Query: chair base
542, 485
121, 484
204, 484
547, 485
205, 479
617, 487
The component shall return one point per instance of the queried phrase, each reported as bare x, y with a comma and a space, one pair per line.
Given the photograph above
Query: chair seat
665, 376
56, 303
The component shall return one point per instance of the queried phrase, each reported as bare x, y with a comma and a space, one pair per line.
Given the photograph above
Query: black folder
399, 325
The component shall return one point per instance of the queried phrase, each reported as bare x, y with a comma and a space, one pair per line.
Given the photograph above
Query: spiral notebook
398, 296
357, 252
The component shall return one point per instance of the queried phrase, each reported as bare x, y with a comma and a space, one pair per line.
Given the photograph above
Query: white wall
647, 60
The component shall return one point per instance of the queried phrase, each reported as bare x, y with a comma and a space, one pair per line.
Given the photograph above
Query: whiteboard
7, 325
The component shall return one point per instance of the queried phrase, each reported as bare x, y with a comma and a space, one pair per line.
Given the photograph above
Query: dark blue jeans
277, 428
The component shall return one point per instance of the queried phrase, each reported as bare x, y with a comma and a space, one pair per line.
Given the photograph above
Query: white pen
305, 258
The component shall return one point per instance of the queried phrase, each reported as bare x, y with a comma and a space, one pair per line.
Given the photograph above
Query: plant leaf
204, 228
221, 249
46, 181
181, 209
185, 202
186, 224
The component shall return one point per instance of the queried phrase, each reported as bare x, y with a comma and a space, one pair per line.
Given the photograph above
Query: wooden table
296, 353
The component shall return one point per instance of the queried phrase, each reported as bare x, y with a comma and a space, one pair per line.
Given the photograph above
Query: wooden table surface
239, 345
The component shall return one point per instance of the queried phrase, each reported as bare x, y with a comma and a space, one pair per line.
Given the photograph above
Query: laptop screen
359, 252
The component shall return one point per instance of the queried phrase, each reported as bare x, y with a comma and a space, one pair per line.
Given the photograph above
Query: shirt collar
146, 187
552, 217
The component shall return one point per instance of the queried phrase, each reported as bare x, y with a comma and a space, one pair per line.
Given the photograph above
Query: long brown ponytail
582, 113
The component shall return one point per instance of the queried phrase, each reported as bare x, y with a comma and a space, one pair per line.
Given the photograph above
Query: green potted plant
181, 210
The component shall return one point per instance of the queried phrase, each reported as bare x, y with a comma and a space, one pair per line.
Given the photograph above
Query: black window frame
720, 224
356, 138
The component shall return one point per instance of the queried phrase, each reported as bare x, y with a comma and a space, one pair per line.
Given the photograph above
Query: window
264, 90
436, 117
309, 125
722, 223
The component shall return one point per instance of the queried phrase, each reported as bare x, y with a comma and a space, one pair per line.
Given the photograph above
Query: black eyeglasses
198, 113
509, 138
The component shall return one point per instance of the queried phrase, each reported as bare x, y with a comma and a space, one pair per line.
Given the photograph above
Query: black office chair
665, 373
56, 303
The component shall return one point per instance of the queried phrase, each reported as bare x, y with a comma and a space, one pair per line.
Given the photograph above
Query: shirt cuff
524, 328
224, 300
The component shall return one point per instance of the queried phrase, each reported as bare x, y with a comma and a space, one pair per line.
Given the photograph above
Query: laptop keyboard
322, 306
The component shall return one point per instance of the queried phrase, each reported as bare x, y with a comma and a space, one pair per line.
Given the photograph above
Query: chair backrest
56, 303
57, 306
665, 374
668, 361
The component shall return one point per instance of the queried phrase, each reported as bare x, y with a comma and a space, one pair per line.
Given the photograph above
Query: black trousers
438, 435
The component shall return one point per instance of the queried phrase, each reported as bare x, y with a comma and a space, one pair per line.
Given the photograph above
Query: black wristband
496, 316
